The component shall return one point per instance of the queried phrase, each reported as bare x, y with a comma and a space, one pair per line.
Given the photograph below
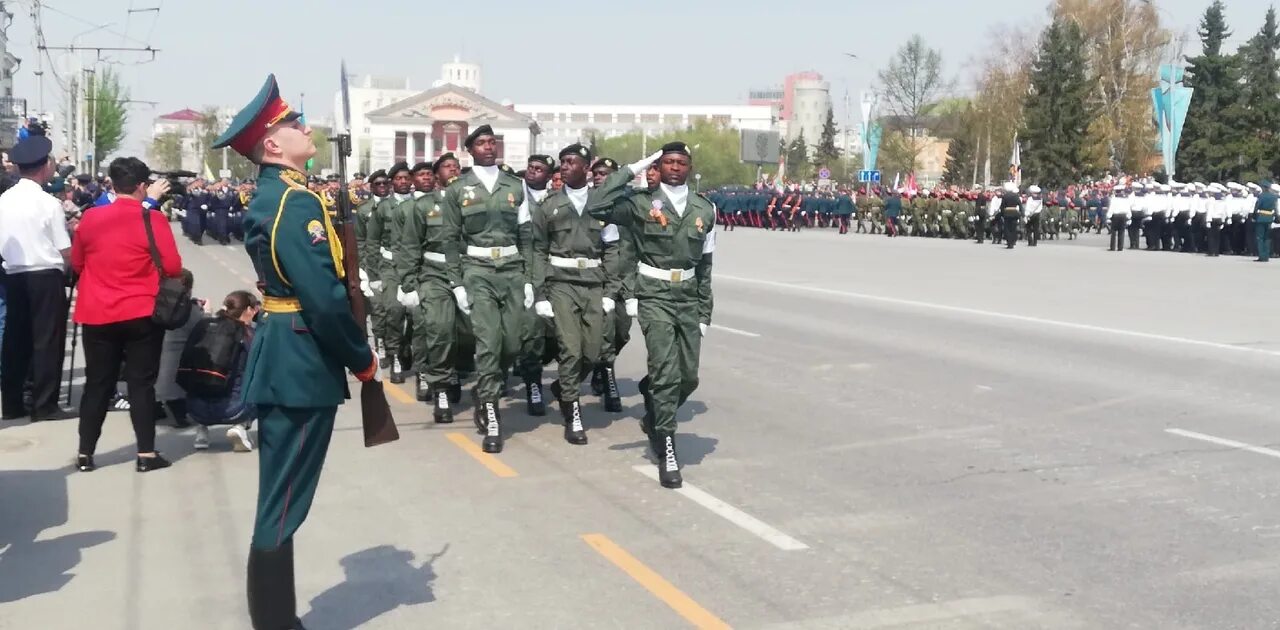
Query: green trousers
579, 323
533, 342
617, 332
498, 321
434, 330
395, 331
673, 341
1262, 231
292, 443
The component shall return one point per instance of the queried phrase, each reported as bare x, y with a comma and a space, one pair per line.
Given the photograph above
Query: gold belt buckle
677, 275
582, 263
495, 252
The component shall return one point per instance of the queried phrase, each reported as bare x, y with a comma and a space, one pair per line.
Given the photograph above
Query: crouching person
211, 371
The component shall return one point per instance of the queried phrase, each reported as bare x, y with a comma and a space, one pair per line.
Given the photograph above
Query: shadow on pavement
378, 580
36, 500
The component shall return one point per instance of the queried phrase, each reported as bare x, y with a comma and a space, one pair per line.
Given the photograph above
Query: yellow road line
494, 464
654, 583
399, 394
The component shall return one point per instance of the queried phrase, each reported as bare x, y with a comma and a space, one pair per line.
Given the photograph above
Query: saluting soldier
390, 317
487, 245
305, 343
674, 238
617, 325
569, 282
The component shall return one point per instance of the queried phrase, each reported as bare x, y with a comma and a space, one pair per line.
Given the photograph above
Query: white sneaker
202, 437
240, 441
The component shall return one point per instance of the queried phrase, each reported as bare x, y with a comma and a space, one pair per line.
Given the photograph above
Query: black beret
521, 173
442, 159
606, 162
482, 130
333, 177
396, 168
378, 174
421, 166
31, 151
545, 159
358, 176
576, 149
676, 147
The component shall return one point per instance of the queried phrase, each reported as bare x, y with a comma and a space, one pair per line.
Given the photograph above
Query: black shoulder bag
173, 299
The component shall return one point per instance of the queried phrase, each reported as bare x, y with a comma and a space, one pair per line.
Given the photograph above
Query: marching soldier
571, 283
617, 324
420, 266
1137, 213
390, 318
487, 246
674, 238
379, 188
197, 208
1032, 209
307, 340
424, 185
537, 178
1010, 213
1118, 216
1216, 212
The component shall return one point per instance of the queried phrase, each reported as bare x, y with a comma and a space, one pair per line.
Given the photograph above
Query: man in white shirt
35, 247
1118, 216
1031, 209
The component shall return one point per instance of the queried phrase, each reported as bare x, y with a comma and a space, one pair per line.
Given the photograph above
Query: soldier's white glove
364, 284
543, 309
528, 295
643, 165
460, 293
408, 300
608, 304
632, 307
376, 285
703, 327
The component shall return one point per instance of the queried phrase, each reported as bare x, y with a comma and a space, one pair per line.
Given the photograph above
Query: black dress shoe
56, 414
84, 463
148, 464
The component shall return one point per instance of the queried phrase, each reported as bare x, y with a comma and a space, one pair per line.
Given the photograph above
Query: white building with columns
563, 125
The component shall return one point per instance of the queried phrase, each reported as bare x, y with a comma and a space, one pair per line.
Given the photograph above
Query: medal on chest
655, 213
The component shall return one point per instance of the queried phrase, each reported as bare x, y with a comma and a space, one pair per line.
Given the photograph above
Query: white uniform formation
1187, 217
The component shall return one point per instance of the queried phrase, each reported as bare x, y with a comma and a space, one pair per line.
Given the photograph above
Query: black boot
574, 433
647, 421
612, 401
455, 389
487, 413
597, 380
533, 396
668, 463
478, 415
442, 411
272, 604
397, 374
424, 389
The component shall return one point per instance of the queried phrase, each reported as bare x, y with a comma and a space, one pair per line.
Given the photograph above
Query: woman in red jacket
115, 298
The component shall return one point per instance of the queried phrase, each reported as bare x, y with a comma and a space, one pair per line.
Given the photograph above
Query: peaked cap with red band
251, 124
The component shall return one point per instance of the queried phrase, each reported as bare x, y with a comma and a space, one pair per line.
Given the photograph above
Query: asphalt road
889, 433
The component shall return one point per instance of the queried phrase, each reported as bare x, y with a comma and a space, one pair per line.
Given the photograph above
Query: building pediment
450, 103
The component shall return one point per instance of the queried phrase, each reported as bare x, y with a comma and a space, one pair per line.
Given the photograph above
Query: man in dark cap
570, 280
391, 321
305, 344
620, 265
379, 188
487, 246
463, 355
536, 178
424, 185
673, 233
35, 248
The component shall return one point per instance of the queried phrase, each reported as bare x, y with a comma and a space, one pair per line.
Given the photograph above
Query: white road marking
734, 331
731, 514
1026, 319
1261, 450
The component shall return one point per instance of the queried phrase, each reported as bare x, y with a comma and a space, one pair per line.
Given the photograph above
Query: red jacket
118, 281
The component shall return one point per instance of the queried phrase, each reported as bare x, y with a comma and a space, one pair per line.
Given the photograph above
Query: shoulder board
451, 180
506, 168
294, 179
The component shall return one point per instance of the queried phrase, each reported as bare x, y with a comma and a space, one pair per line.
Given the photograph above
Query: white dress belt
574, 263
492, 253
435, 257
666, 275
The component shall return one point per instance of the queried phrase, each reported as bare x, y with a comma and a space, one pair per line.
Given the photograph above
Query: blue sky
690, 52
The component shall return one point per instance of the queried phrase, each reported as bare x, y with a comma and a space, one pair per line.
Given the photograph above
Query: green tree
798, 166
826, 153
324, 150
209, 128
108, 113
1260, 100
165, 152
912, 84
1210, 149
962, 152
1056, 115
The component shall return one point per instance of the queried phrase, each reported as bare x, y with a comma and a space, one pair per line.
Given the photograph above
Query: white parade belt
435, 257
666, 275
492, 253
574, 263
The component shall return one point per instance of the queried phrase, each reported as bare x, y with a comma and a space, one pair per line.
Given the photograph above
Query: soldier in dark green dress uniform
379, 188
1264, 214
674, 239
390, 319
487, 243
305, 344
617, 325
